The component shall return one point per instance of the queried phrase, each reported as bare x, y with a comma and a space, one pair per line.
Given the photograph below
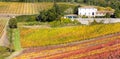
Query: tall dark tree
13, 23
76, 9
117, 14
50, 15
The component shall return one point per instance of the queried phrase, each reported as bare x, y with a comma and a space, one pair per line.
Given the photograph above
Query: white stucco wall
87, 21
87, 11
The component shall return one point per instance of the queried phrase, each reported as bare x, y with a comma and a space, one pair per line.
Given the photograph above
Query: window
92, 13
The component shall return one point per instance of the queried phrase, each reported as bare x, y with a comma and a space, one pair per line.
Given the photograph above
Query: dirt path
36, 26
4, 39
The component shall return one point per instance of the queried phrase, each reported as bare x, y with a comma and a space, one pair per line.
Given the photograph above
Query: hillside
98, 48
37, 30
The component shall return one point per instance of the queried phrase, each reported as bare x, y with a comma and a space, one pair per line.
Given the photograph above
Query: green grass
32, 37
4, 52
16, 40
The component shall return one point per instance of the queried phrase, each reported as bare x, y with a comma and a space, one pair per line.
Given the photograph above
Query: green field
32, 37
16, 40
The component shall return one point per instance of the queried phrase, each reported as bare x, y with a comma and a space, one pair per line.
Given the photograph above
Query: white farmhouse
91, 11
87, 11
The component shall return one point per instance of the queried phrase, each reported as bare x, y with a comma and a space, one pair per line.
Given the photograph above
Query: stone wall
87, 21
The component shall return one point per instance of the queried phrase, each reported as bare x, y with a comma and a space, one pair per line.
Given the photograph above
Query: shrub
64, 22
13, 23
107, 15
50, 15
4, 52
117, 13
76, 22
76, 9
55, 24
26, 18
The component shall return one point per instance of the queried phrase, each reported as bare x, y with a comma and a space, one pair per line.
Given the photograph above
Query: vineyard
99, 48
22, 8
54, 36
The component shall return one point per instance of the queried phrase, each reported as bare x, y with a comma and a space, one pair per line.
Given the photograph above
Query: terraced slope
99, 48
35, 37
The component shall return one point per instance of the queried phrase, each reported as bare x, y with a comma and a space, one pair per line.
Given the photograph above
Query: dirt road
4, 39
